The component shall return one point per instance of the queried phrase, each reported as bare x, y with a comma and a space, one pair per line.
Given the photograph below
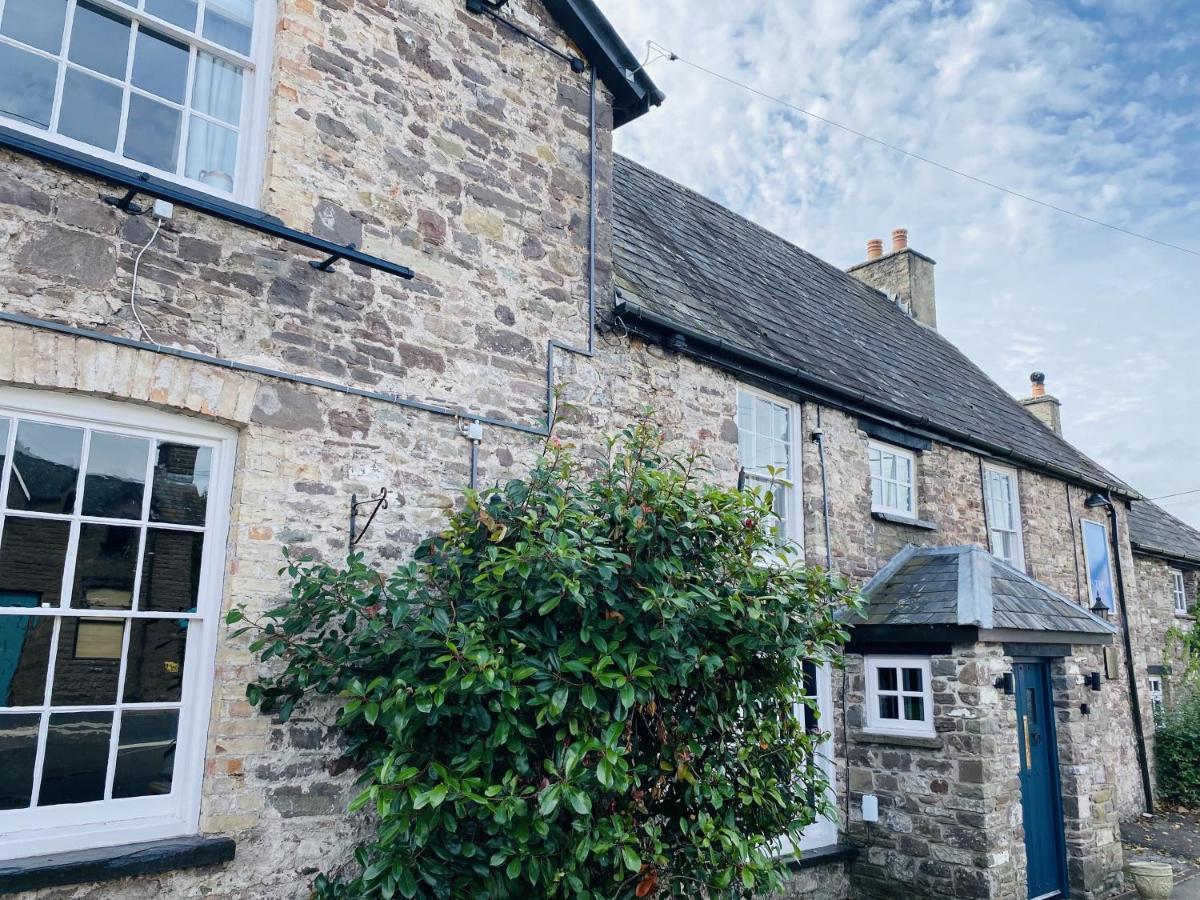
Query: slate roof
687, 259
1154, 530
966, 585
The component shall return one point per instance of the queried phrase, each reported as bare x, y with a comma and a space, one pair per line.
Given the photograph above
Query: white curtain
212, 150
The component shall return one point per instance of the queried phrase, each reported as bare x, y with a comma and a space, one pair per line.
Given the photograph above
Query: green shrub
1177, 753
586, 686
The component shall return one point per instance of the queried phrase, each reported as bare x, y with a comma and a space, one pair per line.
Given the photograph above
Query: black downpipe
1135, 702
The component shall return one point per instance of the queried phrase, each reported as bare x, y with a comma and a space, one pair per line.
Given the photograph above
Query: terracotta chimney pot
874, 248
899, 239
1038, 382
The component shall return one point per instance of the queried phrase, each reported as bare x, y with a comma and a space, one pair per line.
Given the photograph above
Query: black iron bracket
126, 205
326, 265
380, 502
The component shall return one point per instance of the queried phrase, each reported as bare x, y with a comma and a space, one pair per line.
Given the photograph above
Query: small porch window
899, 695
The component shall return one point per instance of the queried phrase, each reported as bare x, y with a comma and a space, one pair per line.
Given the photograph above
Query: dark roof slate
1154, 530
703, 267
967, 586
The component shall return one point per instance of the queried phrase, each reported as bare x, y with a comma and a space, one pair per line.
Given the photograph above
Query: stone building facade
430, 134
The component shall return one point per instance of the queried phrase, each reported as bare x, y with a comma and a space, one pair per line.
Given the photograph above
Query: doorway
1041, 798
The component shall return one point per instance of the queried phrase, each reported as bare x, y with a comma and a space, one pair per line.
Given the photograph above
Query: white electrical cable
133, 290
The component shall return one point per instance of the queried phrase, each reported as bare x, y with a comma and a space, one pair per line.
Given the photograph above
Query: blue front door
1040, 799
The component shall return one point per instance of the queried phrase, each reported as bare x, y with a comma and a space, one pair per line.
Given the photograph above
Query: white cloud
1086, 106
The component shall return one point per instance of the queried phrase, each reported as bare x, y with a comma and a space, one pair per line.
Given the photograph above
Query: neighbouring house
263, 258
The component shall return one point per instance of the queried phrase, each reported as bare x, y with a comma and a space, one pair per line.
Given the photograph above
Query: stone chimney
903, 274
1047, 408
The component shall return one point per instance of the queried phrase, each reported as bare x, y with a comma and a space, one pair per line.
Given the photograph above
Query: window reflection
180, 493
154, 671
116, 476
88, 662
76, 759
105, 564
33, 553
24, 659
45, 468
145, 753
171, 571
18, 748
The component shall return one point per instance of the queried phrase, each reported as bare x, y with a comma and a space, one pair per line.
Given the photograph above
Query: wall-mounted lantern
1005, 683
1093, 681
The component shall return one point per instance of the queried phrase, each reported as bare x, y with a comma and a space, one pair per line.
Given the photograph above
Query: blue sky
1089, 105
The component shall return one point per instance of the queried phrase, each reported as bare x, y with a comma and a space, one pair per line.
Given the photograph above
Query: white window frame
80, 826
990, 471
789, 485
1179, 592
879, 505
256, 92
824, 831
1156, 695
1087, 563
901, 726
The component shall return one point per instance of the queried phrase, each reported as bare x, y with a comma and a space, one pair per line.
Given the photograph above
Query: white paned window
111, 555
172, 87
1002, 506
899, 695
893, 480
1156, 696
766, 444
1178, 592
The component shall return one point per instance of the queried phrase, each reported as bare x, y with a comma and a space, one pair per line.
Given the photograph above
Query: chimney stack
1047, 408
904, 274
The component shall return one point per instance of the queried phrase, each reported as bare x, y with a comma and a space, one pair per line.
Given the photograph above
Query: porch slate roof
967, 586
689, 260
1155, 531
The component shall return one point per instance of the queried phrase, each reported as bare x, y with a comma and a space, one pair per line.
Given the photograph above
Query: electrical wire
1177, 494
133, 289
670, 55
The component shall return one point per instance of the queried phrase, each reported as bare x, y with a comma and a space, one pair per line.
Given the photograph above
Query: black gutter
791, 381
1186, 562
596, 38
146, 185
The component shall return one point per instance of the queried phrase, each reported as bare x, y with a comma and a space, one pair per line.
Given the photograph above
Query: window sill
822, 856
1185, 616
108, 863
903, 520
924, 741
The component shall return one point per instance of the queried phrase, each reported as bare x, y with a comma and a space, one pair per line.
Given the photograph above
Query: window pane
145, 753
38, 23
177, 12
76, 758
27, 88
876, 492
887, 679
45, 468
212, 154
99, 40
104, 566
228, 23
913, 680
160, 65
171, 571
91, 110
914, 709
154, 671
87, 662
18, 748
217, 89
889, 707
180, 493
152, 133
32, 555
116, 476
24, 659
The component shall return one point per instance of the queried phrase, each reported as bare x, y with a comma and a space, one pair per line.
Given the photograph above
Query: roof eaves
599, 42
840, 397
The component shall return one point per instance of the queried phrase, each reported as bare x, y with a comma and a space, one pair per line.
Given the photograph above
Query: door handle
1028, 753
